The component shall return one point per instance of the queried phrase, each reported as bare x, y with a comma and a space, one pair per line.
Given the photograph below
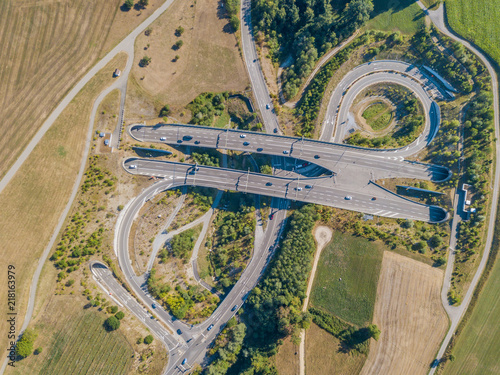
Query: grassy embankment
34, 199
406, 16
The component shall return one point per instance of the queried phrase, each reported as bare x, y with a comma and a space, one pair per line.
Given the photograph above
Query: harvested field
33, 201
208, 60
324, 355
46, 47
287, 359
410, 315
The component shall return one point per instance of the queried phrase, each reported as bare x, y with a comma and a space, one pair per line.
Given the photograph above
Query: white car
163, 138
243, 135
348, 198
285, 152
133, 166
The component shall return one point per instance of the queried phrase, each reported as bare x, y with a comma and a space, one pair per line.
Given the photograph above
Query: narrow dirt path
323, 236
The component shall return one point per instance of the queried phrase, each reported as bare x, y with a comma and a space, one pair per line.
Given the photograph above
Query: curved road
456, 313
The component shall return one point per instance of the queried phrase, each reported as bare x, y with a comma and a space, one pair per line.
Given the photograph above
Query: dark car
179, 332
308, 187
269, 184
260, 149
246, 143
153, 305
210, 327
196, 142
187, 138
316, 156
234, 307
374, 198
275, 130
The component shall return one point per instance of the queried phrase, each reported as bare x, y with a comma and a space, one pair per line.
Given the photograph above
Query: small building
467, 209
117, 73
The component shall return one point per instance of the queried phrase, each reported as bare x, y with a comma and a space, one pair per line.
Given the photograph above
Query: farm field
76, 344
476, 350
478, 22
406, 16
35, 198
357, 262
207, 46
324, 355
410, 316
42, 60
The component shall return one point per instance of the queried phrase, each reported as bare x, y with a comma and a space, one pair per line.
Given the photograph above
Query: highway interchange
348, 182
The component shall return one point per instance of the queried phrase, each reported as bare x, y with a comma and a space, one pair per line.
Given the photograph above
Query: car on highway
269, 184
275, 130
268, 106
348, 198
187, 138
308, 187
179, 332
163, 138
316, 156
184, 361
106, 142
285, 152
260, 149
153, 305
210, 327
243, 135
374, 198
246, 143
234, 307
196, 142
133, 166
271, 217
298, 188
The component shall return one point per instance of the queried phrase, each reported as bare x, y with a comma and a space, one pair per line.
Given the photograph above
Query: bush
148, 339
179, 31
179, 44
165, 111
235, 22
111, 324
435, 241
374, 331
120, 315
112, 309
128, 4
38, 350
25, 345
120, 207
145, 61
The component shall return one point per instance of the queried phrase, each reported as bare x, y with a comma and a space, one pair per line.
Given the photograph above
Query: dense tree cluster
210, 158
206, 106
227, 347
306, 30
232, 8
180, 246
232, 243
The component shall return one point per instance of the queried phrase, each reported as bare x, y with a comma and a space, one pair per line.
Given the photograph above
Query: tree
128, 4
120, 315
143, 3
179, 44
266, 169
38, 350
165, 111
112, 309
111, 324
374, 331
235, 22
179, 31
435, 241
177, 57
25, 345
148, 339
145, 61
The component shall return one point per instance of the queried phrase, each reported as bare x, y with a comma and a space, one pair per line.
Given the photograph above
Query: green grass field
406, 17
476, 350
77, 344
357, 261
477, 21
378, 116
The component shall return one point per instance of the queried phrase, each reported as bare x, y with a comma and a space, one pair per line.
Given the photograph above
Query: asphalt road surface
188, 341
368, 198
345, 160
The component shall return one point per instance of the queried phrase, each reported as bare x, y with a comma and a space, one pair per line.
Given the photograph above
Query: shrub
179, 44
25, 345
119, 315
165, 111
128, 4
148, 339
111, 324
38, 350
112, 309
374, 331
145, 61
120, 207
179, 31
